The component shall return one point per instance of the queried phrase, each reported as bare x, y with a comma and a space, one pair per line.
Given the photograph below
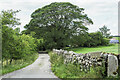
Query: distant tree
105, 31
57, 23
95, 39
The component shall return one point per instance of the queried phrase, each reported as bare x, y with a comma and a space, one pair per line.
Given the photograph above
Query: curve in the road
41, 68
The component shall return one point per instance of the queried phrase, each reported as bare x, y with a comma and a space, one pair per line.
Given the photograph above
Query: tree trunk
10, 61
7, 62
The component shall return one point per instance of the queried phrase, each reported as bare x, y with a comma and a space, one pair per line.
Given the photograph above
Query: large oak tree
57, 23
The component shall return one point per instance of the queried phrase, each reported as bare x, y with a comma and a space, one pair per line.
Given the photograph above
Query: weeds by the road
72, 71
18, 64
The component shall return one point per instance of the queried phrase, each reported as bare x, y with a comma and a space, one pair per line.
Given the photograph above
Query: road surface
39, 69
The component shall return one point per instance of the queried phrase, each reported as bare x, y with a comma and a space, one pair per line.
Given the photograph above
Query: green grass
18, 64
68, 71
117, 38
109, 49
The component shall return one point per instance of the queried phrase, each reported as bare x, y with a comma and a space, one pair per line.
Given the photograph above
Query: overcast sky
102, 12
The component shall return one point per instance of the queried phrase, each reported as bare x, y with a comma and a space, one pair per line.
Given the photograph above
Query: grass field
117, 38
109, 49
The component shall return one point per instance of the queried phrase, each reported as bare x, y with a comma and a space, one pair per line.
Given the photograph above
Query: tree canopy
105, 31
8, 18
57, 23
14, 45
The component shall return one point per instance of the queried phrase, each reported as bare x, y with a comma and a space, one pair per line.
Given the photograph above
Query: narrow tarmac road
39, 69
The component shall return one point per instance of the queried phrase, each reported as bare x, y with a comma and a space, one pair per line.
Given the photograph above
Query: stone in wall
95, 54
112, 65
64, 53
85, 61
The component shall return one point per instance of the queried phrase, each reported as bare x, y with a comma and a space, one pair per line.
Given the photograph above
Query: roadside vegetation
18, 64
58, 25
18, 50
69, 71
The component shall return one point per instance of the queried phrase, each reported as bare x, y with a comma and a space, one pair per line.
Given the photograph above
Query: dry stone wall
85, 61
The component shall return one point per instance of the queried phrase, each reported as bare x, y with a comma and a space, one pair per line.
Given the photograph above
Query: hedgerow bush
18, 50
16, 46
95, 39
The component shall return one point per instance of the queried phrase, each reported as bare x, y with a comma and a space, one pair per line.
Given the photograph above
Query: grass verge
64, 71
18, 64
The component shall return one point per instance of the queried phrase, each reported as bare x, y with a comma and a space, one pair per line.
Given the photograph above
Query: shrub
96, 39
16, 46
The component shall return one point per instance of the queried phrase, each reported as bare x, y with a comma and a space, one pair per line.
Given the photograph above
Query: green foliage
72, 71
105, 41
15, 46
18, 64
57, 23
7, 37
89, 40
104, 30
8, 17
96, 39
79, 40
17, 30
